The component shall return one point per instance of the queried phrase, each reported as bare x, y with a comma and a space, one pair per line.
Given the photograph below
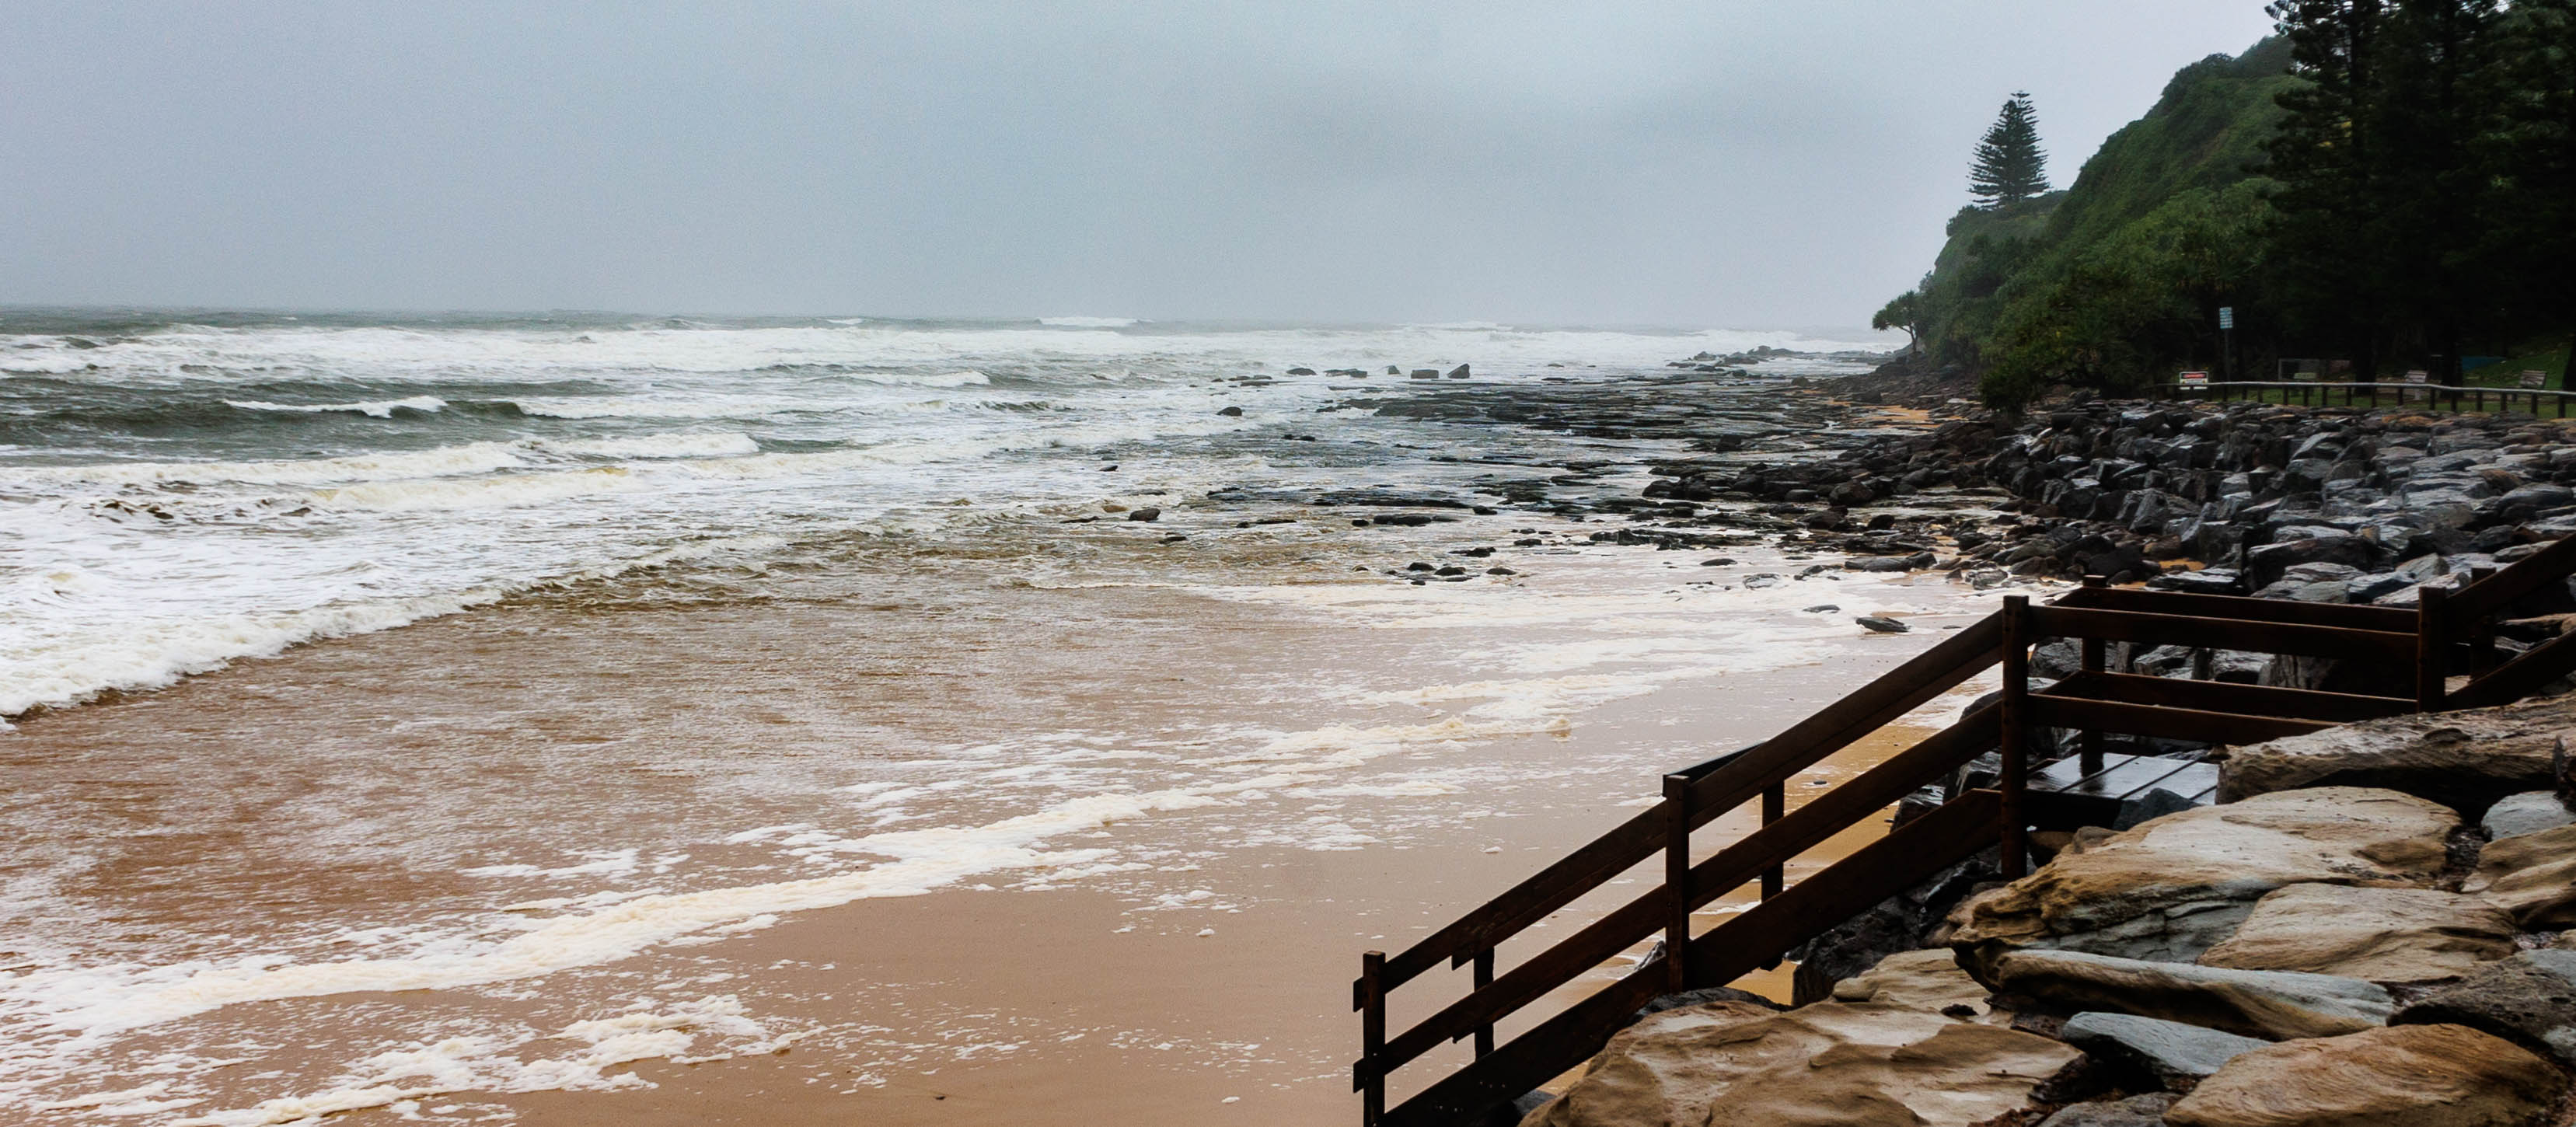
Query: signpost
2227, 337
2534, 378
2195, 381
2418, 377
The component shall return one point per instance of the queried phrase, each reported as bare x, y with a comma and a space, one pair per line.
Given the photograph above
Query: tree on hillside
1905, 312
2009, 166
2533, 152
2385, 186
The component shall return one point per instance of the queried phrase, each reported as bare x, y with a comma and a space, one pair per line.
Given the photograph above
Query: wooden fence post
2012, 710
1775, 802
2431, 644
1484, 978
1677, 879
1372, 1078
2482, 641
2095, 651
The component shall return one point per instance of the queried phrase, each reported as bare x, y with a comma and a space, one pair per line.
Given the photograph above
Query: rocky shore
2307, 954
2370, 928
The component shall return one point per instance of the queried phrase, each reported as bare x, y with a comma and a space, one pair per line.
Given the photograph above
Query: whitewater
180, 491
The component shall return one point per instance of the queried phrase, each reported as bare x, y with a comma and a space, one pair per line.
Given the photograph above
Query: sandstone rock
2136, 1111
2380, 934
2465, 760
2255, 1003
2529, 999
1962, 1075
2173, 887
1734, 1064
2408, 1076
2532, 876
2174, 1054
1924, 980
2527, 813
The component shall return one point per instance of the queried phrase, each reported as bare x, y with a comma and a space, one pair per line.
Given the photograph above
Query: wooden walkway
2449, 630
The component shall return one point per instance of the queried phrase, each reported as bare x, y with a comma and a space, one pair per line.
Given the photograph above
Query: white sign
2419, 375
2227, 316
2195, 379
2534, 377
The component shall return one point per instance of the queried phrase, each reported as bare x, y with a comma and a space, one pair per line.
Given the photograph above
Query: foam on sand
486, 1064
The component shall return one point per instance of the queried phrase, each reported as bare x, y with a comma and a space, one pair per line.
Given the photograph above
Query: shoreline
266, 704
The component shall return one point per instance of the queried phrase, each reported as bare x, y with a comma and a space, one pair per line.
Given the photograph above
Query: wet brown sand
351, 785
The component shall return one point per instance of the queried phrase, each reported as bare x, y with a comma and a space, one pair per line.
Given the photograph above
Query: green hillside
2117, 279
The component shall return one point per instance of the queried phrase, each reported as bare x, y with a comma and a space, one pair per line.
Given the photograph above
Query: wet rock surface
2178, 885
2467, 760
1869, 1064
2532, 876
2529, 999
2407, 1076
2253, 1003
2168, 1053
2374, 933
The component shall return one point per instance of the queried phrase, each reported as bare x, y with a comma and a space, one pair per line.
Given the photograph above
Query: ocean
439, 714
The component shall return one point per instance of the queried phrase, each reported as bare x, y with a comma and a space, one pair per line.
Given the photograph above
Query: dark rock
1421, 373
2208, 581
1301, 371
1881, 624
2149, 806
1232, 412
2136, 1111
1820, 608
1148, 513
1702, 997
1458, 373
2170, 1053
2529, 999
1500, 571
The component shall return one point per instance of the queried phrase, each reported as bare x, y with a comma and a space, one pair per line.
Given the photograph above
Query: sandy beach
615, 854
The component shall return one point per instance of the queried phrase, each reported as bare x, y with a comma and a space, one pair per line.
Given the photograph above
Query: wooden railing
2321, 393
2447, 628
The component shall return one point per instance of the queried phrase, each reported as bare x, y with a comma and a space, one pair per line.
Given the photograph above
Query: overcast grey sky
1709, 163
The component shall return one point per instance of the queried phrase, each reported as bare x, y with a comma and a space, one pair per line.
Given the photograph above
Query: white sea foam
1088, 322
94, 1003
379, 408
487, 1064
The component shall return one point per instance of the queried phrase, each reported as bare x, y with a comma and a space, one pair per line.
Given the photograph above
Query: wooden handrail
2185, 630
1731, 868
2477, 600
2223, 696
2048, 711
1739, 778
1906, 856
2092, 701
2241, 608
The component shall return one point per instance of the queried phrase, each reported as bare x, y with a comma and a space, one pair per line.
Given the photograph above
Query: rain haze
1686, 164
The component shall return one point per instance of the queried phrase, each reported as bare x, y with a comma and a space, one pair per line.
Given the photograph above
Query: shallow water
776, 675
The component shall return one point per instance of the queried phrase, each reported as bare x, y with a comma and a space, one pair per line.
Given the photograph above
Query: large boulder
2381, 934
2407, 1076
2532, 876
2529, 999
2527, 813
2270, 1004
2465, 760
2168, 1053
1924, 980
2173, 887
1734, 1064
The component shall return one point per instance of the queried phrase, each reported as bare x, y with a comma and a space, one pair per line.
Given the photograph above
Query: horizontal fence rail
2321, 393
2090, 703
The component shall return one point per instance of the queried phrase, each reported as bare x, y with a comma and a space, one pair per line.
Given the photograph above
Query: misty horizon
1643, 167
